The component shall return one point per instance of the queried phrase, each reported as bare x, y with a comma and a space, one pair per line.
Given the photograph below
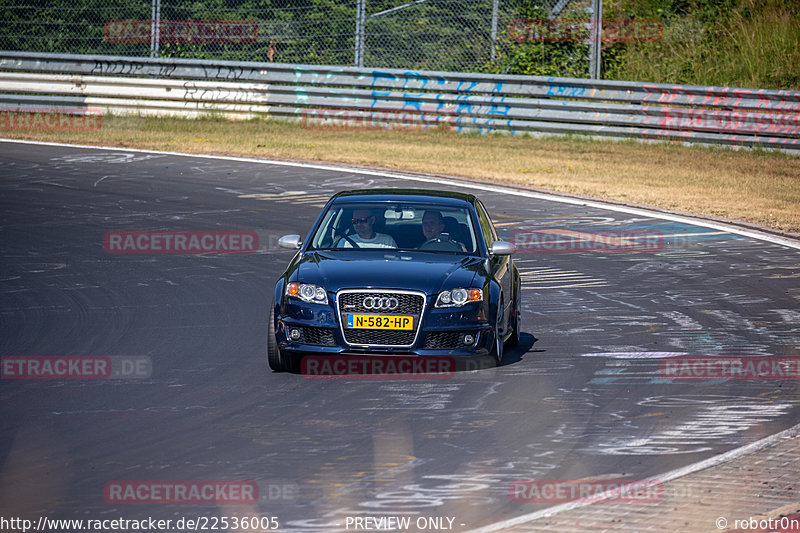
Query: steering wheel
346, 237
441, 243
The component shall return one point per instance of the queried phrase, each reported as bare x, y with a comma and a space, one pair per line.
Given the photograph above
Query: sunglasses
362, 220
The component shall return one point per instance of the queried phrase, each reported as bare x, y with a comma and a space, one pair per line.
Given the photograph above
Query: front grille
409, 304
380, 337
316, 336
446, 340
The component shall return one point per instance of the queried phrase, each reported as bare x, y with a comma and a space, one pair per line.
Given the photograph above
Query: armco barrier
353, 96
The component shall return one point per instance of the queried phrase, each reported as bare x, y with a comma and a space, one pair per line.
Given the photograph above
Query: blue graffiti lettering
378, 75
565, 90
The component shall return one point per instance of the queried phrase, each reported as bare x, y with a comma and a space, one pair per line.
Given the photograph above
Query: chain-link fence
508, 36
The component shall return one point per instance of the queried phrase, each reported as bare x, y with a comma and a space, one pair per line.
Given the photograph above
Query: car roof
405, 196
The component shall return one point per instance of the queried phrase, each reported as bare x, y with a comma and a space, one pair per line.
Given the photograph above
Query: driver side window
487, 229
336, 224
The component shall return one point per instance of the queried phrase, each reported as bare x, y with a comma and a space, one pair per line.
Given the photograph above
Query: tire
275, 357
513, 340
497, 351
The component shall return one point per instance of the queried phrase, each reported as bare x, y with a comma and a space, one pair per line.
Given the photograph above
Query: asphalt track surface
581, 397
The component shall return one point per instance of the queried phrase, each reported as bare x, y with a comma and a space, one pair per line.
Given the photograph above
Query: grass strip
752, 186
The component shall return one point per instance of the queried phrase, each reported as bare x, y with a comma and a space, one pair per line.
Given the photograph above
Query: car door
500, 265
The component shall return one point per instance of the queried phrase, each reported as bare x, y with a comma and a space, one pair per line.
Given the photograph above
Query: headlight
307, 292
458, 297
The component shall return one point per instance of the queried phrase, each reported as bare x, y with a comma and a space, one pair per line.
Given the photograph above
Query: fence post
596, 39
361, 9
495, 9
155, 28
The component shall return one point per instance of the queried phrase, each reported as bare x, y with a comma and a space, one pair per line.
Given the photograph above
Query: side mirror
290, 241
502, 248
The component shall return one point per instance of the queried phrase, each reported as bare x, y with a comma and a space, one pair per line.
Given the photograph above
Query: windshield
424, 227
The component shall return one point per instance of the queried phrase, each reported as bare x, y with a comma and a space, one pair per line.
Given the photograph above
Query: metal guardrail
350, 96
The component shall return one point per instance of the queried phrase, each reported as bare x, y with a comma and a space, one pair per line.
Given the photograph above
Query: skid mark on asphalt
425, 396
94, 157
291, 197
555, 278
712, 418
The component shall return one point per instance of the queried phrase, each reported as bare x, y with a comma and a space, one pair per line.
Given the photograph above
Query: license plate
380, 322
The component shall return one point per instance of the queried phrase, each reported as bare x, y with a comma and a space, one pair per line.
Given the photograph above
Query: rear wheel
275, 356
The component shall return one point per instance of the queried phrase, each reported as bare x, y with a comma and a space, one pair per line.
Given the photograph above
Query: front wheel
497, 350
275, 356
515, 323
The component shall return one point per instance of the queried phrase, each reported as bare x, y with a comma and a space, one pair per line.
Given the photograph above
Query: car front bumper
441, 331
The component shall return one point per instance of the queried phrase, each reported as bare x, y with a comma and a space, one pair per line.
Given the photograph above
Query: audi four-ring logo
380, 302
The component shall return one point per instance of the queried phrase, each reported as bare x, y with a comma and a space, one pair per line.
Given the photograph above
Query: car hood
427, 272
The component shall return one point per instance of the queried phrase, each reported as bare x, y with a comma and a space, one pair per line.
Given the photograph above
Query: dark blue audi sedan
408, 272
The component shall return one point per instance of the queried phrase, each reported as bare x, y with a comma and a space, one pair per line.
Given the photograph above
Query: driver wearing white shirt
365, 236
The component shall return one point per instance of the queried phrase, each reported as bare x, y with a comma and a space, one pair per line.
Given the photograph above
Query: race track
583, 396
